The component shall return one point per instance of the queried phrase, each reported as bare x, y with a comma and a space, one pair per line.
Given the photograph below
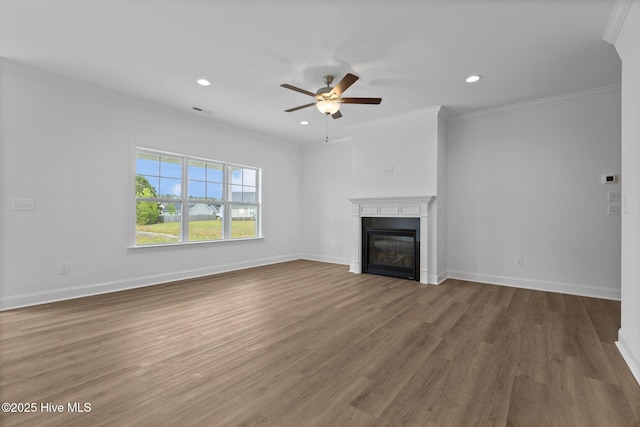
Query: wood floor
309, 344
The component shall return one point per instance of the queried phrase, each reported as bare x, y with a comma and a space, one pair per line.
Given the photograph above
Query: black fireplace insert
391, 247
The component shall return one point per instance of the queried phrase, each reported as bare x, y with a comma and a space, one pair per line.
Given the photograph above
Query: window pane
147, 164
249, 177
205, 221
170, 212
248, 194
197, 170
215, 172
197, 190
236, 175
214, 191
171, 167
156, 223
147, 186
243, 221
236, 193
170, 187
147, 213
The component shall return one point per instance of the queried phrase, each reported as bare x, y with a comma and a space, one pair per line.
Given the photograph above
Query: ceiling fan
328, 99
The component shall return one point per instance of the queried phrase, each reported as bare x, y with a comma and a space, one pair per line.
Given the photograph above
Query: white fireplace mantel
399, 207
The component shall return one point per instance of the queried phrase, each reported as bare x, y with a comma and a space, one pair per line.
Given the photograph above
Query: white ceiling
413, 54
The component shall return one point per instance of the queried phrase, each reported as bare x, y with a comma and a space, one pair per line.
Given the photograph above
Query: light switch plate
23, 205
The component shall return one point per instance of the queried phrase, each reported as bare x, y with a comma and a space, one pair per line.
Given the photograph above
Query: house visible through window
221, 200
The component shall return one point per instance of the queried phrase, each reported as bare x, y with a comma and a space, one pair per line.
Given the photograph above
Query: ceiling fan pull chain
326, 140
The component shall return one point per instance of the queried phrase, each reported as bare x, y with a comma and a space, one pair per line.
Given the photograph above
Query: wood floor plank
529, 404
391, 375
425, 393
349, 417
305, 343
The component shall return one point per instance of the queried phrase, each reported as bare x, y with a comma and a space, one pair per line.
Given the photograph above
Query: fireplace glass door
391, 252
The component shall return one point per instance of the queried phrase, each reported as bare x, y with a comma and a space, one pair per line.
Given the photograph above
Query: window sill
206, 242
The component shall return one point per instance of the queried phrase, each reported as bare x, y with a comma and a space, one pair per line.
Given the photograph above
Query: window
221, 200
243, 187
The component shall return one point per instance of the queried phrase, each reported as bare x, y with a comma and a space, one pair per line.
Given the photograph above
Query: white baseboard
630, 354
442, 276
324, 258
538, 285
44, 297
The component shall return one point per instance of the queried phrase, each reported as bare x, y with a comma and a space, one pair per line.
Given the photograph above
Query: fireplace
391, 247
384, 213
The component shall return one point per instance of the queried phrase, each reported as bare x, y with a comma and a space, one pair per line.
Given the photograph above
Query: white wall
441, 200
396, 156
627, 44
525, 181
326, 218
69, 146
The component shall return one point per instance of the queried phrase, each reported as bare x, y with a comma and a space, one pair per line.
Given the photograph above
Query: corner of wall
630, 354
616, 20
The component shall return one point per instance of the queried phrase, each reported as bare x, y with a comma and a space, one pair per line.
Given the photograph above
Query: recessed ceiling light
203, 82
473, 78
304, 122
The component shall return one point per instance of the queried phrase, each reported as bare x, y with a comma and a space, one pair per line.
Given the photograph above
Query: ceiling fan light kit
329, 98
327, 106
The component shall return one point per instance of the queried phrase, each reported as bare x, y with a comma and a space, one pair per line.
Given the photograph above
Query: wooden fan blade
344, 84
360, 100
337, 115
299, 108
297, 89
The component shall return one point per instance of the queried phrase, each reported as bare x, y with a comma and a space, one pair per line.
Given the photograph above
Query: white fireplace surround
393, 207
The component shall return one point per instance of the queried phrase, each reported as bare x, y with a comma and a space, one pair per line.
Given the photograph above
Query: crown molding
444, 113
541, 101
616, 20
399, 118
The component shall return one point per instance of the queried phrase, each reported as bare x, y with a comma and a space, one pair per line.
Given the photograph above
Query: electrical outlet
64, 268
519, 261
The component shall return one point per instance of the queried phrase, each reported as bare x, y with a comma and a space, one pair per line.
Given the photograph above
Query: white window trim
184, 199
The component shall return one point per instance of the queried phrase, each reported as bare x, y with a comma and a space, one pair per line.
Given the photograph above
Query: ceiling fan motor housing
325, 91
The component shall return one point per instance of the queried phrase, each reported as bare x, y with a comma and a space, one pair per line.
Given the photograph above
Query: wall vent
202, 110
